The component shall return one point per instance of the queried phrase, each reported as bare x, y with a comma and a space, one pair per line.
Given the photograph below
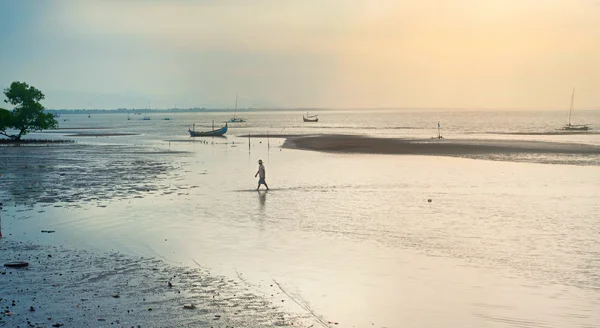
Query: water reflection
262, 198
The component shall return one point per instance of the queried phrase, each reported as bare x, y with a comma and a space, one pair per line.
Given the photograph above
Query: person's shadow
262, 199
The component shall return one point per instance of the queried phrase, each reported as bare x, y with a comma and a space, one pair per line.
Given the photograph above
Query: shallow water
392, 123
351, 238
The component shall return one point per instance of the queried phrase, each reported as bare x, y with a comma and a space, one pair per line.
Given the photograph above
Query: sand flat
74, 288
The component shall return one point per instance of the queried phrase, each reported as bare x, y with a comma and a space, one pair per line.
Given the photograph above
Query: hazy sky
304, 53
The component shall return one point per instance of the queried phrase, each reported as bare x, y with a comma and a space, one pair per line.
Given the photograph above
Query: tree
28, 114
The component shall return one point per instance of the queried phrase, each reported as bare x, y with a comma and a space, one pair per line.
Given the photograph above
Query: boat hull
570, 127
310, 119
214, 133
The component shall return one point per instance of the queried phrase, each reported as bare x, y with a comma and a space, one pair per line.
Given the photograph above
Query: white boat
235, 119
574, 127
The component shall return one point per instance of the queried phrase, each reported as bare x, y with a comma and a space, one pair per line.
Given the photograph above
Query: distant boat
212, 133
89, 116
310, 118
235, 119
146, 118
166, 119
574, 127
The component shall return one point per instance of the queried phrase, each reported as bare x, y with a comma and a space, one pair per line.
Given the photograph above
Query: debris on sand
16, 264
69, 286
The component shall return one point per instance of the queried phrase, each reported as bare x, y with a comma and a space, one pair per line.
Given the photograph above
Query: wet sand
73, 288
504, 150
90, 134
99, 175
74, 174
369, 145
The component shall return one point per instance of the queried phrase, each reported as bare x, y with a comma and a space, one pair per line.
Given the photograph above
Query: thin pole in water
268, 141
248, 142
0, 220
571, 108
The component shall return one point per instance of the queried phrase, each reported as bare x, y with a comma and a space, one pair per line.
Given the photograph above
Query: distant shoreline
144, 111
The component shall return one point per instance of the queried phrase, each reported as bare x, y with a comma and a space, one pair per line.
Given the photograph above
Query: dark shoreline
34, 141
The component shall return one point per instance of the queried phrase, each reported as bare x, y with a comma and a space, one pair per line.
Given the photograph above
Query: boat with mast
574, 127
235, 119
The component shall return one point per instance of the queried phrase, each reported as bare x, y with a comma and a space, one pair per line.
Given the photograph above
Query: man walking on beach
261, 174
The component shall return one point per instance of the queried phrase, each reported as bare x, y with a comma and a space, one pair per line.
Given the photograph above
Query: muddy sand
74, 174
64, 287
507, 150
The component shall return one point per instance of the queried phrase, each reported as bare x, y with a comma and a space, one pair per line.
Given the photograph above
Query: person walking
261, 174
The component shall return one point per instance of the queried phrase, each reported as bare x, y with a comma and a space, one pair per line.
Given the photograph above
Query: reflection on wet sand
262, 198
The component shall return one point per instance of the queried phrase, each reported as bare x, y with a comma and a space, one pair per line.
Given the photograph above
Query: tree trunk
18, 137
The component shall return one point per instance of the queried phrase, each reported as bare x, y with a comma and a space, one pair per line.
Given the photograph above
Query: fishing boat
235, 119
212, 133
310, 118
574, 127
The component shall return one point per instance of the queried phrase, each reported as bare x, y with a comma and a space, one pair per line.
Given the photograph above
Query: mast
571, 108
235, 110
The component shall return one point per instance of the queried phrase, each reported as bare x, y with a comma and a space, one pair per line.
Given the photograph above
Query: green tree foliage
28, 114
5, 119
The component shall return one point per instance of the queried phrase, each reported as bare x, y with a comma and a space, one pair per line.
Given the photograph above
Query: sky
466, 54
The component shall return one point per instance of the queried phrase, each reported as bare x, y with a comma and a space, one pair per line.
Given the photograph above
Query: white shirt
261, 171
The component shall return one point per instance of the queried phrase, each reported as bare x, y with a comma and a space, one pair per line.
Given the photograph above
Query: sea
356, 240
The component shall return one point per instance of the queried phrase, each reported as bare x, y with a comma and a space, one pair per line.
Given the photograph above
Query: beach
75, 288
72, 287
361, 231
